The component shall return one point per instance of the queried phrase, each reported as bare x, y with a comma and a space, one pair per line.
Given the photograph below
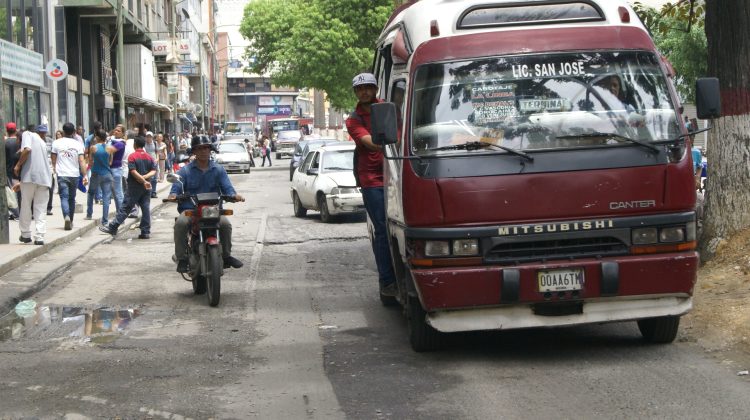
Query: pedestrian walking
117, 142
266, 151
161, 152
87, 143
48, 144
68, 165
369, 175
101, 176
151, 149
12, 149
141, 167
33, 170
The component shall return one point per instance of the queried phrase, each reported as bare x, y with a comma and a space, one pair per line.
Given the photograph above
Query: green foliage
679, 33
317, 44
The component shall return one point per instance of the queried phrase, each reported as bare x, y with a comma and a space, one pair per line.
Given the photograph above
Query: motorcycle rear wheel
213, 277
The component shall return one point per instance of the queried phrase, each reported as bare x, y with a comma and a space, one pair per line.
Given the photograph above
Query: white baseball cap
364, 79
148, 133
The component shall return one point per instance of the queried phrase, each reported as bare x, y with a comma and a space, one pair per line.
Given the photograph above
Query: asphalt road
300, 333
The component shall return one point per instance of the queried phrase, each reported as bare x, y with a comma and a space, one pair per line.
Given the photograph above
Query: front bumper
345, 203
235, 166
505, 297
594, 312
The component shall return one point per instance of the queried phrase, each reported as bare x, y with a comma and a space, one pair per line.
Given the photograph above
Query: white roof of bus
419, 16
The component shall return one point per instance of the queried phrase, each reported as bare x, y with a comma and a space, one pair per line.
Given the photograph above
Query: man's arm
21, 161
226, 186
360, 134
53, 158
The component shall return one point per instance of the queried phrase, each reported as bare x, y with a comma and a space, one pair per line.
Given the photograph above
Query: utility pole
4, 229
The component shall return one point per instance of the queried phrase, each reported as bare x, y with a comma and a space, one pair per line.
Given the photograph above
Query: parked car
325, 182
304, 147
233, 156
285, 142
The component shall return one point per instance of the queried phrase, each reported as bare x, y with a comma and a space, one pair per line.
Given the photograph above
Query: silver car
233, 156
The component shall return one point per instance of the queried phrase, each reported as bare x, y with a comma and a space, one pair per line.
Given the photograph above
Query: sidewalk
15, 254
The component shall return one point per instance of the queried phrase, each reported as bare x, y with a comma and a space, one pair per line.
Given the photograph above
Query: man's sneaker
232, 262
182, 266
38, 242
390, 290
49, 212
108, 230
68, 223
24, 240
88, 218
144, 236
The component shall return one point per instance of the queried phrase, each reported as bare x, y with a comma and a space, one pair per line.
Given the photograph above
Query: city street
300, 333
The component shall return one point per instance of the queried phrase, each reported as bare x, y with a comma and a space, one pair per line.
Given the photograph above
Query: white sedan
325, 182
233, 156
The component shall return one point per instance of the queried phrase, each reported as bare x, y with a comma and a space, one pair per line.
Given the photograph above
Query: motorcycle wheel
213, 277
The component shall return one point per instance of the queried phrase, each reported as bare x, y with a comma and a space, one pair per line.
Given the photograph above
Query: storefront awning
146, 103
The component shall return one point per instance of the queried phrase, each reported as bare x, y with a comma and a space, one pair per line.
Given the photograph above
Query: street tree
318, 44
683, 41
727, 27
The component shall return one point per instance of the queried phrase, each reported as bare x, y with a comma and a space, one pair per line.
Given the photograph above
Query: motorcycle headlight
210, 212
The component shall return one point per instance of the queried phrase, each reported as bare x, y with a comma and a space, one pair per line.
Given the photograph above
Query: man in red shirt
369, 174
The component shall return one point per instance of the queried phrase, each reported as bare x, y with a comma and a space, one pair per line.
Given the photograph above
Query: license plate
560, 280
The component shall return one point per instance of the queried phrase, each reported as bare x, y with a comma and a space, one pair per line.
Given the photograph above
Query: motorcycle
205, 259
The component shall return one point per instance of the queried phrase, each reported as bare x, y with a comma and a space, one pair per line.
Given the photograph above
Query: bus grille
563, 249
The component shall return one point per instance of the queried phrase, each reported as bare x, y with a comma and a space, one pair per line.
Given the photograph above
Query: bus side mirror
384, 123
707, 98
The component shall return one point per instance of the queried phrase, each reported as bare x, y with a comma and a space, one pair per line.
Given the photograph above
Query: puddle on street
95, 325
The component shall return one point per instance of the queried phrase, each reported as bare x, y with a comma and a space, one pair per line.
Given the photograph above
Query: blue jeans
374, 199
67, 186
117, 187
142, 197
105, 182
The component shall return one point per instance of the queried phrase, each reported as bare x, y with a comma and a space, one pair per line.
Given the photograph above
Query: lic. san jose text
574, 68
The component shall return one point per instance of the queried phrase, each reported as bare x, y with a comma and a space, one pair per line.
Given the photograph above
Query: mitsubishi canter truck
537, 172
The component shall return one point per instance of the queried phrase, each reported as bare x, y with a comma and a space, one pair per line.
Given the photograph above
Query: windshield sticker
541, 105
493, 103
567, 68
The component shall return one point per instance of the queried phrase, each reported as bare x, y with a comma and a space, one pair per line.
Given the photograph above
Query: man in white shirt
68, 165
36, 179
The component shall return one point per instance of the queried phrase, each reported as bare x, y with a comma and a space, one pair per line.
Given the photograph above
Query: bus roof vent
528, 13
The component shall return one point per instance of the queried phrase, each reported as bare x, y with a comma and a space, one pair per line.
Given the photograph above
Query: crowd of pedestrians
97, 164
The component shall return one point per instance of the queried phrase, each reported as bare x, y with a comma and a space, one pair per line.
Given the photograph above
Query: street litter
327, 327
743, 373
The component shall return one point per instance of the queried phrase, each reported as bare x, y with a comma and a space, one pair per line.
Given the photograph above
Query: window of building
28, 22
32, 105
8, 103
19, 111
16, 22
4, 20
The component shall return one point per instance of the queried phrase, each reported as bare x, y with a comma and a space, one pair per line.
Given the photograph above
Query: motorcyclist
202, 175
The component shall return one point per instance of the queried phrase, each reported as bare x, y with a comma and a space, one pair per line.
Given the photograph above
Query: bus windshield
283, 125
543, 101
239, 127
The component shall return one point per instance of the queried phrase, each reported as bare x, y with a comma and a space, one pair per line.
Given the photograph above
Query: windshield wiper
615, 135
476, 145
337, 168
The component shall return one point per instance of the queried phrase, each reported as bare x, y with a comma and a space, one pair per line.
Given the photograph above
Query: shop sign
275, 100
187, 69
162, 48
20, 64
56, 70
275, 110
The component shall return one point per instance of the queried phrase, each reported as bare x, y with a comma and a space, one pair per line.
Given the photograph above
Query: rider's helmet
199, 140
